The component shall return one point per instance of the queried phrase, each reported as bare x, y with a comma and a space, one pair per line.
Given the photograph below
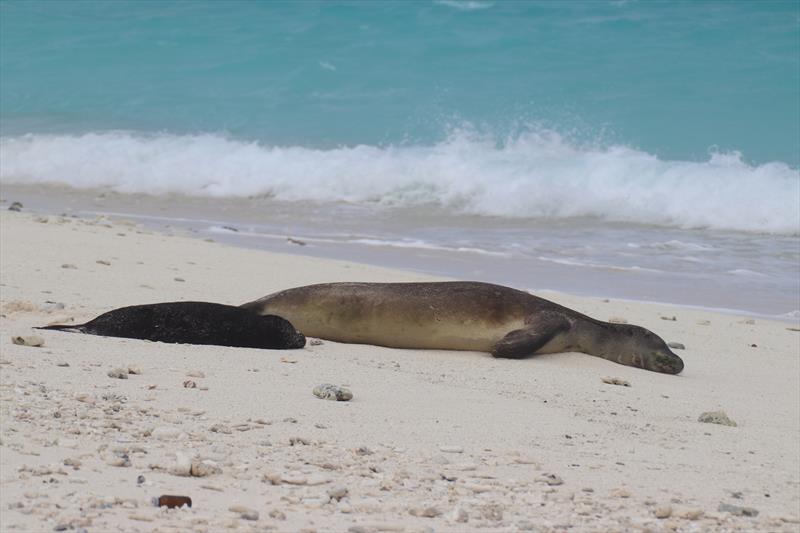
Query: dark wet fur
193, 323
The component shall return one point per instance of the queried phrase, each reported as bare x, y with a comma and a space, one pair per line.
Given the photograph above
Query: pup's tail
72, 328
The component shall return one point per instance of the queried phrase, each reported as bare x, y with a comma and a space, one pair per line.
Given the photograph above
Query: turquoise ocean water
674, 79
593, 134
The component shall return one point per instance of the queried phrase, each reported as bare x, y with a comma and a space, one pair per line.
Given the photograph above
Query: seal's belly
391, 326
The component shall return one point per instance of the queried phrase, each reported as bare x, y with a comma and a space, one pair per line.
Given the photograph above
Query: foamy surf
534, 175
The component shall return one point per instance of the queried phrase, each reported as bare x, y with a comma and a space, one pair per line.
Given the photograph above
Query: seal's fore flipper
524, 342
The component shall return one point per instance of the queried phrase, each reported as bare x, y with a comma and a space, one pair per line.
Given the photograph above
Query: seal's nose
299, 340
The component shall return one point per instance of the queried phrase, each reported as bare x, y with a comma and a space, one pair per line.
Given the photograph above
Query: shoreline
233, 224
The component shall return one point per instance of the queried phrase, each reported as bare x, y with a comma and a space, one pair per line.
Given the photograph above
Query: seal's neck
601, 339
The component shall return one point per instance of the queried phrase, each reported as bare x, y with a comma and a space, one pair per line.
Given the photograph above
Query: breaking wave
533, 175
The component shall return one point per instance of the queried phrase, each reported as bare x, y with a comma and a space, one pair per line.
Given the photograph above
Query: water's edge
229, 225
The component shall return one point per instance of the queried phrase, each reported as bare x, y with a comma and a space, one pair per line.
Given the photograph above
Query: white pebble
28, 340
451, 449
118, 373
182, 465
165, 432
338, 492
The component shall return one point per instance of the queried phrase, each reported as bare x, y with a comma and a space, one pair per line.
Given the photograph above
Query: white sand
621, 452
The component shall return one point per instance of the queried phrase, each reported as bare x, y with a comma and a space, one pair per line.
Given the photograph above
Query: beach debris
231, 228
793, 329
62, 364
425, 512
204, 468
451, 449
28, 340
140, 479
295, 241
220, 428
551, 479
181, 280
317, 342
121, 460
245, 513
135, 370
616, 381
171, 501
754, 345
749, 322
195, 374
288, 360
277, 514
337, 492
663, 511
669, 318
103, 262
690, 514
736, 510
189, 384
676, 345
327, 391
69, 266
716, 417
617, 320
15, 206
363, 450
118, 373
703, 322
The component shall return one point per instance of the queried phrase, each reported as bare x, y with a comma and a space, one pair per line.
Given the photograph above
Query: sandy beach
431, 441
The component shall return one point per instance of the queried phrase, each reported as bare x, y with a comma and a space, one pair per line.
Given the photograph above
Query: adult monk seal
461, 315
193, 323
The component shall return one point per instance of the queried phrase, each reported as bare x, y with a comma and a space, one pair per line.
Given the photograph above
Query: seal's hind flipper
525, 342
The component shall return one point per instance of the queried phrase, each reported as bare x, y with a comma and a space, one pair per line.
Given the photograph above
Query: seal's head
649, 351
284, 332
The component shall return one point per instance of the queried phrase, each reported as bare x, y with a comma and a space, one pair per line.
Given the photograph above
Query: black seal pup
193, 323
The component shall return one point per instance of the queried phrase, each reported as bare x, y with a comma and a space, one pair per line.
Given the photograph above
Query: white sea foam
746, 272
537, 174
423, 245
465, 5
674, 245
588, 264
